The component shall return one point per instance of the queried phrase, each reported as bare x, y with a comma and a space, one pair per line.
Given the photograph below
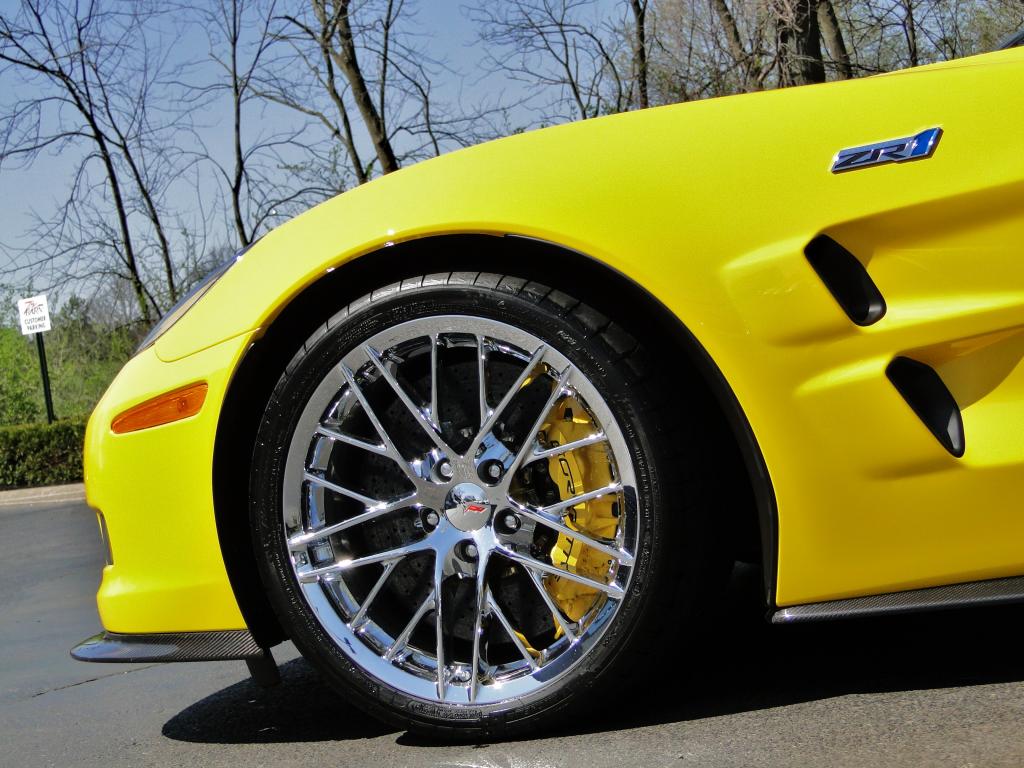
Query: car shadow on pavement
742, 664
301, 709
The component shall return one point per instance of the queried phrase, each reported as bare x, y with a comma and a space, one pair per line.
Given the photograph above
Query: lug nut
444, 469
432, 519
491, 471
511, 522
470, 551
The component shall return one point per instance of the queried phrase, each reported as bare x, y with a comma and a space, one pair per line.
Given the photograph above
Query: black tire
677, 554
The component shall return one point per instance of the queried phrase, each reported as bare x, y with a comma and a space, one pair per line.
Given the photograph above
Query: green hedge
41, 454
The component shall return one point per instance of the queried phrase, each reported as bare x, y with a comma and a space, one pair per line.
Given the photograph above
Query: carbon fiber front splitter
112, 647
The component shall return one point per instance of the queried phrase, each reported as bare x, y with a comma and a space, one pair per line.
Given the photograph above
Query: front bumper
154, 488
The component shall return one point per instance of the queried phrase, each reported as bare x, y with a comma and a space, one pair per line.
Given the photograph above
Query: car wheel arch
751, 525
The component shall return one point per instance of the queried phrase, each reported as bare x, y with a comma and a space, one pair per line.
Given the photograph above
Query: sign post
34, 313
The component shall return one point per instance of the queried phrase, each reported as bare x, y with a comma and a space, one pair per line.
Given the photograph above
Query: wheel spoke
323, 482
533, 564
415, 410
495, 610
558, 450
499, 410
390, 449
556, 612
435, 416
340, 437
302, 540
357, 620
402, 640
555, 523
481, 373
348, 564
442, 667
565, 504
481, 597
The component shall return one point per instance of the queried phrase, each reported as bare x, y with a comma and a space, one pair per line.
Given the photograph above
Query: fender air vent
933, 403
847, 280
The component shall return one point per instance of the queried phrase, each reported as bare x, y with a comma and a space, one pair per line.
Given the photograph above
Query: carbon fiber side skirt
991, 592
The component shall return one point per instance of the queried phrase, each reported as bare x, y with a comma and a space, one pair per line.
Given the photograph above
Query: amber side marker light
163, 409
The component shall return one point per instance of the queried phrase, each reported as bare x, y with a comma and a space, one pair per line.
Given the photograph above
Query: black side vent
933, 403
846, 278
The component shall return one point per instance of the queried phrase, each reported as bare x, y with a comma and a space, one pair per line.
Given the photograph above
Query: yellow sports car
480, 436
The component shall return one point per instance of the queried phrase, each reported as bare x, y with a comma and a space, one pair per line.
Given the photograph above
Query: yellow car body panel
155, 490
708, 206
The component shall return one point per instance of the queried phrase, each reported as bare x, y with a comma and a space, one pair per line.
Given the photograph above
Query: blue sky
445, 32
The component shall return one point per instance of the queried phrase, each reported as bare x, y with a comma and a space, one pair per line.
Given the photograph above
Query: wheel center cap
467, 507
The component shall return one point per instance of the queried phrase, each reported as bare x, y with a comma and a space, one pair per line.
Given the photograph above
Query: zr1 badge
916, 147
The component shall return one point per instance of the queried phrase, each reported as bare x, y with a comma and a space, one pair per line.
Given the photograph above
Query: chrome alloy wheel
459, 505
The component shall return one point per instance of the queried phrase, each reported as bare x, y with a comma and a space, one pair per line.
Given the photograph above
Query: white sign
34, 314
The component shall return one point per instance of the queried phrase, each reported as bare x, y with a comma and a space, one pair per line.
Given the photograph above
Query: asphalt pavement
944, 689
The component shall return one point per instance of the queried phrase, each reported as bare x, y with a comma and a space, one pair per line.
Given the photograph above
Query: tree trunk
122, 220
799, 42
347, 61
103, 150
735, 42
832, 34
237, 180
154, 217
910, 32
640, 50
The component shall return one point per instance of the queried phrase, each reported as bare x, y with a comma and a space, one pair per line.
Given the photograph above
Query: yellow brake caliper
584, 469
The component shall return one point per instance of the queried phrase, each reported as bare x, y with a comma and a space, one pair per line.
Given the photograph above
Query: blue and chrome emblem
916, 147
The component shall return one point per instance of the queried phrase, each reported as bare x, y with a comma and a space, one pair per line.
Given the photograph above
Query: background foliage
40, 454
83, 355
